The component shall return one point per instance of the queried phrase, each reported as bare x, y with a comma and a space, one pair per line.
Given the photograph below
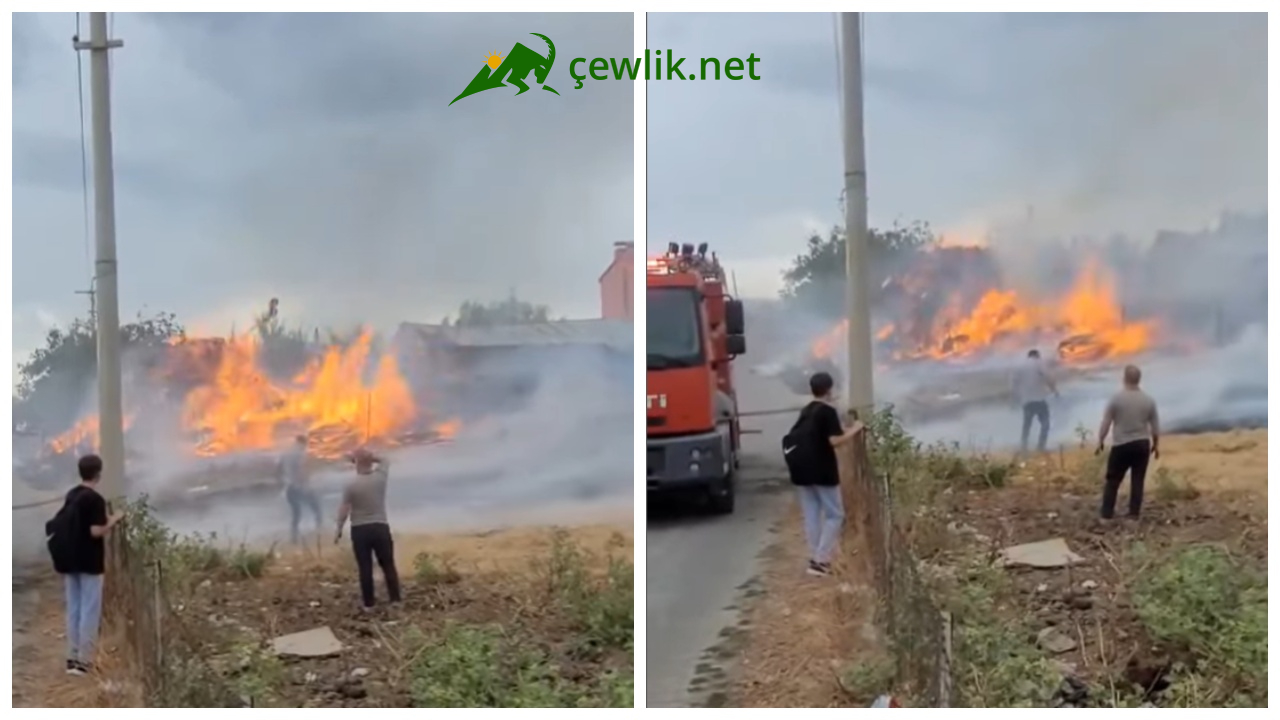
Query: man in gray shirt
1031, 388
294, 474
364, 501
1132, 413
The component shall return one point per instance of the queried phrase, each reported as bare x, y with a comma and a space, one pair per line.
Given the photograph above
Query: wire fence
174, 656
919, 634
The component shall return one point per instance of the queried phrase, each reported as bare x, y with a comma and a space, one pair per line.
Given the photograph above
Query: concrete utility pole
860, 389
106, 294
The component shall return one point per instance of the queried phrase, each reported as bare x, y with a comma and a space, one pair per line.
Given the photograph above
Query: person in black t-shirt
816, 434
89, 524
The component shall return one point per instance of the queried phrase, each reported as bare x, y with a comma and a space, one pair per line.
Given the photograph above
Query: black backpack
59, 535
799, 447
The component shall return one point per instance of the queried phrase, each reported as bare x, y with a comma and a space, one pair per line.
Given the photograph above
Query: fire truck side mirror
736, 344
734, 319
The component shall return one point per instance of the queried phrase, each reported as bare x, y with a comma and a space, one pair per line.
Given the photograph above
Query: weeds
1172, 488
603, 608
868, 678
996, 663
185, 560
488, 667
199, 662
1209, 607
202, 659
432, 569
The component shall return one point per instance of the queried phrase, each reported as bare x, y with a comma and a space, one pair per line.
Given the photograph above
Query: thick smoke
545, 437
1143, 122
1206, 366
556, 440
1138, 140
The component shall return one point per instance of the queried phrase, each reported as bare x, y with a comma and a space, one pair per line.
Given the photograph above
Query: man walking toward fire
1032, 387
364, 501
1133, 414
295, 475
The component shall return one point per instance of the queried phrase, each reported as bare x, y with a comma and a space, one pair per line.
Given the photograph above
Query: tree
54, 380
815, 282
511, 311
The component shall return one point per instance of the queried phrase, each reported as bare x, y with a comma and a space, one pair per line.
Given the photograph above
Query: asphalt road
701, 569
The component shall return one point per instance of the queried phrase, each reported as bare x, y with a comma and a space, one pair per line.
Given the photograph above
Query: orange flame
83, 436
1087, 324
242, 409
233, 405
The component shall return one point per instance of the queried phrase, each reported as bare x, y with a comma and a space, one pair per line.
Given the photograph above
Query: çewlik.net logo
513, 68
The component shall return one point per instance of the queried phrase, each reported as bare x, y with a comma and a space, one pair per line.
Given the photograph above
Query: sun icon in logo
493, 60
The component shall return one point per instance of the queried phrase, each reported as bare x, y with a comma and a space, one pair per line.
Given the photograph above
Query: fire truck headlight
695, 455
693, 467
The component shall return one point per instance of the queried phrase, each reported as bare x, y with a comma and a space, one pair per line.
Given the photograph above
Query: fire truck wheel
721, 499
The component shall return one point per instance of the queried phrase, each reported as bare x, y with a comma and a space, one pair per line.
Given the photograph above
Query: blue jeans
1037, 410
298, 499
823, 510
84, 614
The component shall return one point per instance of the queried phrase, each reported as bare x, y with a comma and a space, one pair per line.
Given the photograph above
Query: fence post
944, 663
157, 619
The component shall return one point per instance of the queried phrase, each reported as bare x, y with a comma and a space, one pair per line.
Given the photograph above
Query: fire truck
695, 331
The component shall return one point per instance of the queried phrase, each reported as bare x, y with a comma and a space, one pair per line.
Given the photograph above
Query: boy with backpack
809, 451
75, 538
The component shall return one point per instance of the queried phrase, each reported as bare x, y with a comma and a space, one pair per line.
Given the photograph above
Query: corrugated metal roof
616, 334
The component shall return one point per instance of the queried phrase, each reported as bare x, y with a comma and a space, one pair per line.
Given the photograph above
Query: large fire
231, 404
241, 408
81, 435
1084, 324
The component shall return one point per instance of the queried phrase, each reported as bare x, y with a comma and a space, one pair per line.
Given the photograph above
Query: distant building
457, 370
617, 284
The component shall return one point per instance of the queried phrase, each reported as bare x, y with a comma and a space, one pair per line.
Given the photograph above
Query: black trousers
1131, 458
370, 542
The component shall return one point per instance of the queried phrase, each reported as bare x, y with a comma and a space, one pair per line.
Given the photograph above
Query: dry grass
1230, 468
316, 586
804, 630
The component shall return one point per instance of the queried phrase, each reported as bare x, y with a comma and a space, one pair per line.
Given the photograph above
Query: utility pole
106, 294
861, 395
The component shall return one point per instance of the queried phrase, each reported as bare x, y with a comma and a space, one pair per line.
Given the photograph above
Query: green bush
1205, 603
432, 569
996, 664
603, 608
488, 667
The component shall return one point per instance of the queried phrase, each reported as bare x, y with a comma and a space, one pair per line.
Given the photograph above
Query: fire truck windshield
674, 335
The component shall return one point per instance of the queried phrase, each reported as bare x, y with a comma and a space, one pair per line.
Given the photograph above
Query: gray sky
313, 158
1102, 123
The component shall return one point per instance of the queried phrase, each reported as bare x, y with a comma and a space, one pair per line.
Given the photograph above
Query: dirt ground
495, 584
802, 631
1204, 488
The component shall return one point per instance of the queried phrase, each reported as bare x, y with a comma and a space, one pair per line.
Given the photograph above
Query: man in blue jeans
87, 524
809, 451
1032, 387
296, 477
